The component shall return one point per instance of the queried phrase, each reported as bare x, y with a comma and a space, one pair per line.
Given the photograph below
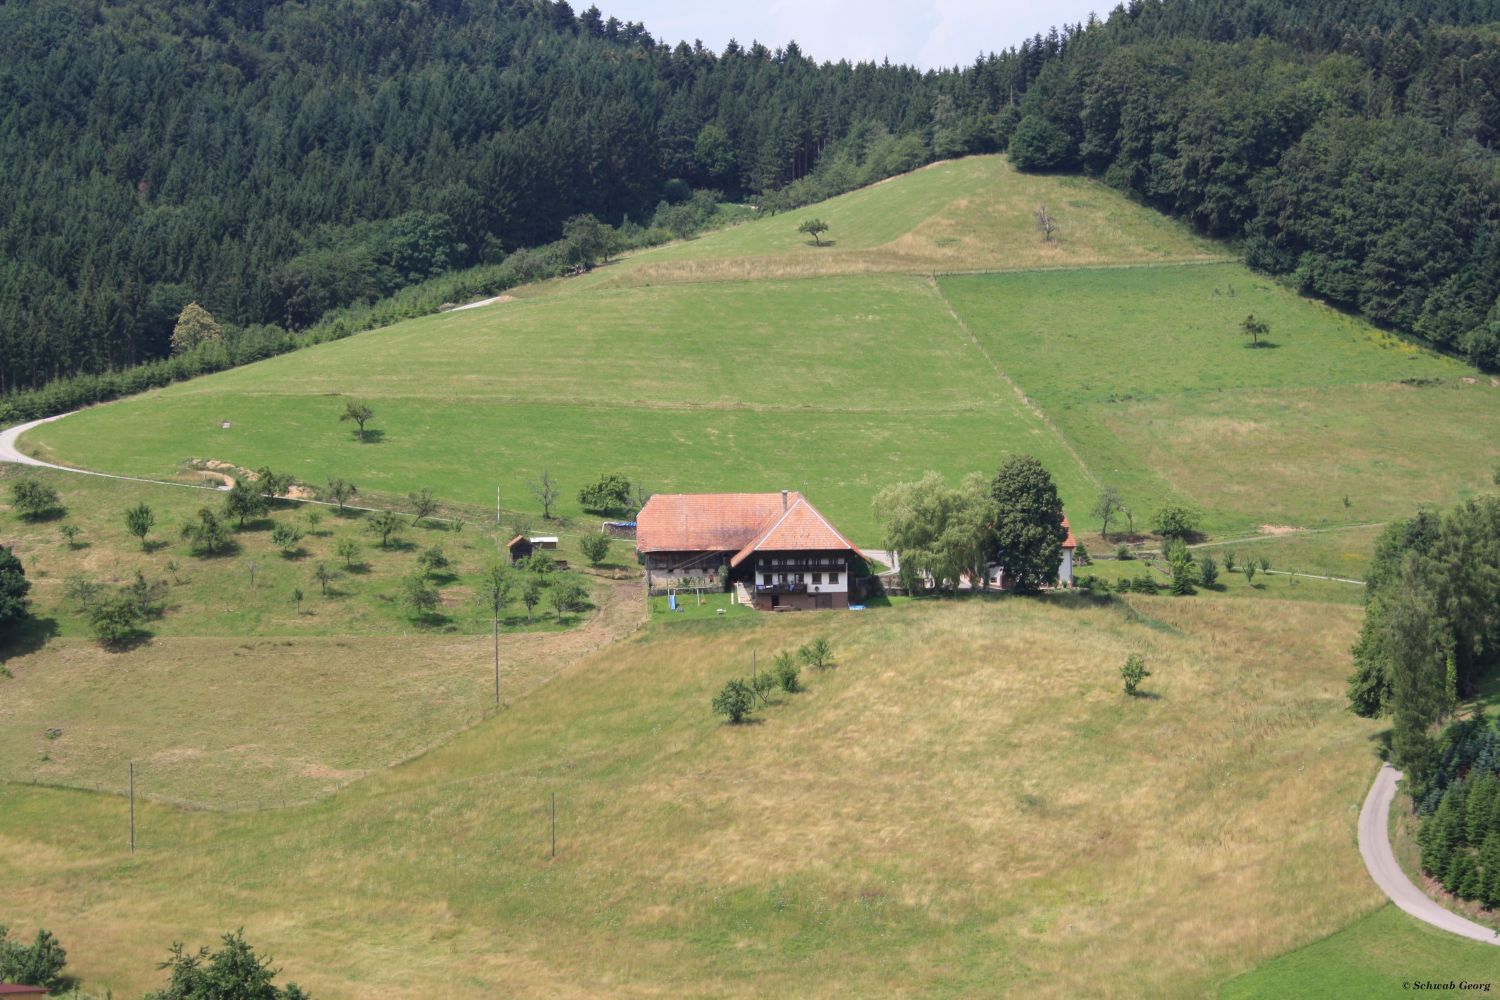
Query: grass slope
990, 816
1382, 955
711, 387
1147, 374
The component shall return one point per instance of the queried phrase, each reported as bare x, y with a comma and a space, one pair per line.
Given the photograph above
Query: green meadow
967, 803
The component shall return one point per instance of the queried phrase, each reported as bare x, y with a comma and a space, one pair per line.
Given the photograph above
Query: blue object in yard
672, 601
856, 607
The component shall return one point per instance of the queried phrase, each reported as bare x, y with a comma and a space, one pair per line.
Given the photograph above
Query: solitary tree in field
595, 548
207, 535
286, 537
420, 599
70, 533
33, 499
817, 654
491, 594
297, 597
544, 488
245, 501
531, 596
1106, 507
195, 326
358, 411
814, 228
735, 702
385, 524
423, 504
342, 491
1254, 329
1045, 223
347, 549
1133, 672
323, 575
1249, 569
139, 520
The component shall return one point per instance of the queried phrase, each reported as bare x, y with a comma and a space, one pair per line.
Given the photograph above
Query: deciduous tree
814, 228
358, 411
1028, 524
139, 520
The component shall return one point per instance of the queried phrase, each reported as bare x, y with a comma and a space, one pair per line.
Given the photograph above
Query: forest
278, 162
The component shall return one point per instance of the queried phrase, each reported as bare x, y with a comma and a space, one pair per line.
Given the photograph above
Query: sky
930, 34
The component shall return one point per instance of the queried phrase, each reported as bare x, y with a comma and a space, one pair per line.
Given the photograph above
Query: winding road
1375, 848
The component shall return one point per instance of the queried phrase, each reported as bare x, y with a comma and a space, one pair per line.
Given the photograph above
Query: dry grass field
966, 803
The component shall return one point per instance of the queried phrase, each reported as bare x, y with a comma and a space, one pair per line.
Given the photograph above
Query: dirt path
1375, 848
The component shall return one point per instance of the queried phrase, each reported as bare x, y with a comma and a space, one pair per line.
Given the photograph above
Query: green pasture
1147, 374
964, 215
1380, 956
868, 381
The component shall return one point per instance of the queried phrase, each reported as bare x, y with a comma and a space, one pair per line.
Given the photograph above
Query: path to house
1375, 848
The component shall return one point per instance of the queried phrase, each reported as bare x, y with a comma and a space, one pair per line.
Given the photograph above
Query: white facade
820, 574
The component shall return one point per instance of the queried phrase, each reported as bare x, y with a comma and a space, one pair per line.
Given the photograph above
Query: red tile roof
16, 990
800, 529
734, 522
1070, 542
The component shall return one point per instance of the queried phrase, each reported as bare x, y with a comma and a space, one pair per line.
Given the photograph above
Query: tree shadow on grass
1264, 345
1145, 695
45, 516
28, 636
373, 435
820, 246
153, 545
357, 569
127, 643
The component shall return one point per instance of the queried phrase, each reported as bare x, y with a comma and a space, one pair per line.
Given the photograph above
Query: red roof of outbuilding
17, 990
1070, 542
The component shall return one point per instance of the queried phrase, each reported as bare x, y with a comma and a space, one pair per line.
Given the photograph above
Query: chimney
783, 499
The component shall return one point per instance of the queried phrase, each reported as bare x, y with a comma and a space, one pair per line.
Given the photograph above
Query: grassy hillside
990, 815
772, 376
236, 696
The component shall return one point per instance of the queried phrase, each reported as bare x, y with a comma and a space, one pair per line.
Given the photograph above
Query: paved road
1375, 848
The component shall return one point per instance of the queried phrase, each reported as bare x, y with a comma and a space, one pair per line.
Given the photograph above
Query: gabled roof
1070, 542
799, 528
705, 522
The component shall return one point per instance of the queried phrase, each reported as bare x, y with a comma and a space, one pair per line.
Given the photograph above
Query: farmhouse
775, 548
521, 546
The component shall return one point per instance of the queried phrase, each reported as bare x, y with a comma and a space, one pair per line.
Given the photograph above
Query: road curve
1375, 848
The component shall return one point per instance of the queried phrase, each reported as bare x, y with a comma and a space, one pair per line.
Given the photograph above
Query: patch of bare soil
1277, 529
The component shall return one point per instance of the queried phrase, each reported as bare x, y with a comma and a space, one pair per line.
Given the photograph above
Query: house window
768, 579
799, 578
817, 578
833, 578
781, 578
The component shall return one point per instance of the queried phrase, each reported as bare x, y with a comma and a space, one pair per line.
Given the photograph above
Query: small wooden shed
522, 546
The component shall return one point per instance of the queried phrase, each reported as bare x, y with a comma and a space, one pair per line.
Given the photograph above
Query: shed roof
18, 990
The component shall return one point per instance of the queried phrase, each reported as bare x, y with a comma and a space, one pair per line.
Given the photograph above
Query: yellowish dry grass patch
966, 804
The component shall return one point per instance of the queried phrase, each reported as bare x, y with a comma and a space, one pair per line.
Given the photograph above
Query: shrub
1133, 672
1124, 586
735, 702
208, 535
817, 654
595, 548
788, 677
37, 964
1229, 562
1123, 553
541, 563
1145, 584
245, 501
432, 560
1175, 521
763, 684
114, 617
608, 494
14, 604
33, 499
1208, 571
1184, 570
570, 595
419, 598
285, 537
